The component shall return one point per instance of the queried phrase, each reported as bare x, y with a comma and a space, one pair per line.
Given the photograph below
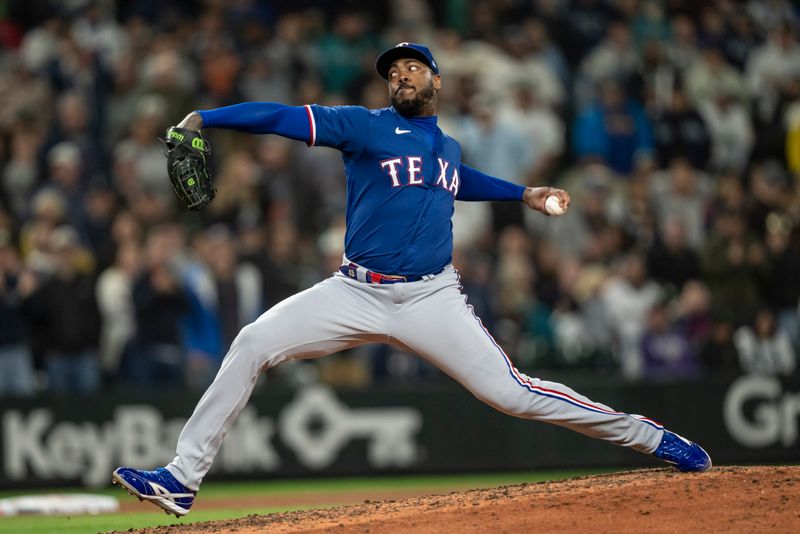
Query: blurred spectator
295, 267
515, 301
543, 49
655, 79
683, 193
224, 296
40, 44
21, 172
290, 54
615, 58
729, 196
515, 273
74, 126
614, 131
537, 123
650, 23
100, 205
494, 146
781, 283
763, 349
771, 13
731, 131
16, 361
585, 23
64, 310
278, 280
48, 211
691, 309
711, 25
638, 219
732, 260
321, 184
261, 82
710, 76
342, 52
666, 352
115, 301
628, 297
718, 353
238, 197
670, 259
582, 327
770, 191
681, 131
167, 74
121, 99
683, 49
220, 68
143, 149
27, 97
741, 39
592, 214
96, 30
518, 66
771, 68
66, 175
156, 357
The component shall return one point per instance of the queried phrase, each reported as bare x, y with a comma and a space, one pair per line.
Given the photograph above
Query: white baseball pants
431, 318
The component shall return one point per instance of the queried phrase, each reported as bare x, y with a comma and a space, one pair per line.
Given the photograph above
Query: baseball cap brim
386, 59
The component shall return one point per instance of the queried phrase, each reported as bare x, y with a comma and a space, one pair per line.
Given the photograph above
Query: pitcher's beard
413, 107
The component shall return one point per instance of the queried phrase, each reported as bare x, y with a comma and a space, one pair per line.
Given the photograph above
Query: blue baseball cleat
159, 487
682, 453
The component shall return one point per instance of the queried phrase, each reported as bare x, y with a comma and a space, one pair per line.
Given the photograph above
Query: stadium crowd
674, 124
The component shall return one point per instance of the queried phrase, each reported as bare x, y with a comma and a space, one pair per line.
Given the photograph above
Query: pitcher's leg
319, 321
443, 329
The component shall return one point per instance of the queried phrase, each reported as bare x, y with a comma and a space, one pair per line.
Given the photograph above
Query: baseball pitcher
396, 282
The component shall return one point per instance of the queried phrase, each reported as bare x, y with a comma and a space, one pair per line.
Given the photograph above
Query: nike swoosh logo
398, 131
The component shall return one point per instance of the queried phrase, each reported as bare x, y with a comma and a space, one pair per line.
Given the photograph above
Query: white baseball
553, 206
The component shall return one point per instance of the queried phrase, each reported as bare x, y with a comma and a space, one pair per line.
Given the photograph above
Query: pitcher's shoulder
451, 140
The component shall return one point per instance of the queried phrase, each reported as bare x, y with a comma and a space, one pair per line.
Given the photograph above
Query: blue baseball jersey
401, 185
403, 175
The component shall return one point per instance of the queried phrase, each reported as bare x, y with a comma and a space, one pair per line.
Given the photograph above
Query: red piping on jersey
312, 125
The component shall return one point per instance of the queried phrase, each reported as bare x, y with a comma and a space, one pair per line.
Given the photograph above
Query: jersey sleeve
261, 118
476, 185
342, 127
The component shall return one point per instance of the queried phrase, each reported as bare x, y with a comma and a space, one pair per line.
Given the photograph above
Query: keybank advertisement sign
760, 413
315, 426
442, 428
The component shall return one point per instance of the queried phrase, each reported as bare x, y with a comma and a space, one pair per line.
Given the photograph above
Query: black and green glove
187, 166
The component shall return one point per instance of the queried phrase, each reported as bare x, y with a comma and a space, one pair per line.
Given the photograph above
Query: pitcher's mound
725, 499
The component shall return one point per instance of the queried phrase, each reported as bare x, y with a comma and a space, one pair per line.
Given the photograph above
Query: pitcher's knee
250, 344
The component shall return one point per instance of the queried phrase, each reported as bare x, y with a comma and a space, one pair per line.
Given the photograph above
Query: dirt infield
725, 499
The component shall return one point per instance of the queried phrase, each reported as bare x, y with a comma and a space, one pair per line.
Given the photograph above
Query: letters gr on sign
36, 445
774, 419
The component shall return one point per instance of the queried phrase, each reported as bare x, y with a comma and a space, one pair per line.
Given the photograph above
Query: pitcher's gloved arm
255, 117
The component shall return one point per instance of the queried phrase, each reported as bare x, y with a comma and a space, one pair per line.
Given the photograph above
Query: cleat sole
168, 507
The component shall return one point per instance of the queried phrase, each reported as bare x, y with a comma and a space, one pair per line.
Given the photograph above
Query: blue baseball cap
404, 51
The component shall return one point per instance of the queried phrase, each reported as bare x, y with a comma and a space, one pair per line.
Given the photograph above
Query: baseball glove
187, 165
